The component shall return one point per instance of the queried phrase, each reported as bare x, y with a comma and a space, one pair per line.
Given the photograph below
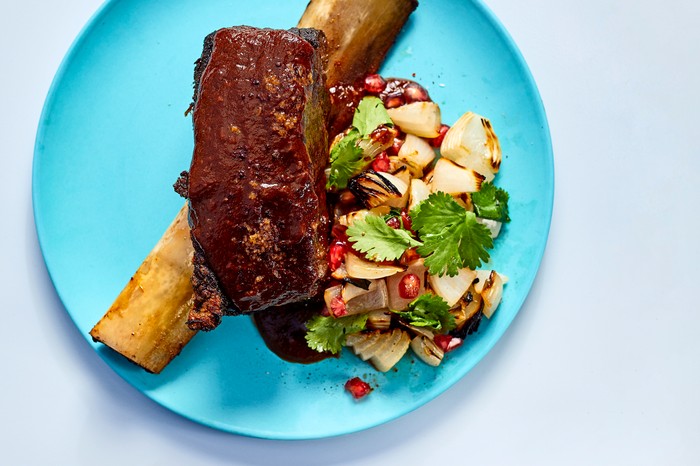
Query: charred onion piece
451, 178
379, 140
379, 320
451, 289
418, 118
492, 292
358, 282
417, 154
472, 143
373, 299
369, 270
427, 351
382, 349
468, 314
373, 189
419, 192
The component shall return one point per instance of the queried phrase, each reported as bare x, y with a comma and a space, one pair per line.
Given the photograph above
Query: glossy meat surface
256, 185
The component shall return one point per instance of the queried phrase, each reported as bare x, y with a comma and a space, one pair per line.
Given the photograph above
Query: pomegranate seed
395, 147
406, 220
394, 223
338, 307
447, 342
381, 163
414, 92
374, 84
339, 232
454, 343
357, 387
409, 286
383, 135
443, 341
325, 312
437, 142
394, 101
409, 256
336, 255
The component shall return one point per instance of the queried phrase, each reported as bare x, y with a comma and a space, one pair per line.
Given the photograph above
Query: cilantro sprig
346, 160
429, 311
329, 333
378, 240
346, 156
491, 202
452, 238
370, 115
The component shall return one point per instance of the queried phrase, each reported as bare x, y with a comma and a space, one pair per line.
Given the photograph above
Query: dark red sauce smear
284, 332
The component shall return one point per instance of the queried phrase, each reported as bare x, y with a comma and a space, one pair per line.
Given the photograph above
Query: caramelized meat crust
256, 187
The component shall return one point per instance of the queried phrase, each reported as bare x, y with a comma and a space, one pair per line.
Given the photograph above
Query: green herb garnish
346, 156
491, 202
370, 115
346, 160
429, 311
452, 238
329, 333
378, 240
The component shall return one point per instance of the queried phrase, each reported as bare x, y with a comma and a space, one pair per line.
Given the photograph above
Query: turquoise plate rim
452, 377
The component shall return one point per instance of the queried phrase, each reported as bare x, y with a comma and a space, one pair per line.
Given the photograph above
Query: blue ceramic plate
113, 139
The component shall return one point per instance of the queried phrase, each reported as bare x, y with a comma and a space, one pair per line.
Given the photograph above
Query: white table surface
601, 366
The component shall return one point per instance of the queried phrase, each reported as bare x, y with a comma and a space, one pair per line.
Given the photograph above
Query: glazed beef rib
258, 215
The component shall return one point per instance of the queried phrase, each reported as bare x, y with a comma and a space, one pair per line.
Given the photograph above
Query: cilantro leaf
430, 311
346, 160
328, 333
346, 157
369, 115
452, 238
378, 240
491, 202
